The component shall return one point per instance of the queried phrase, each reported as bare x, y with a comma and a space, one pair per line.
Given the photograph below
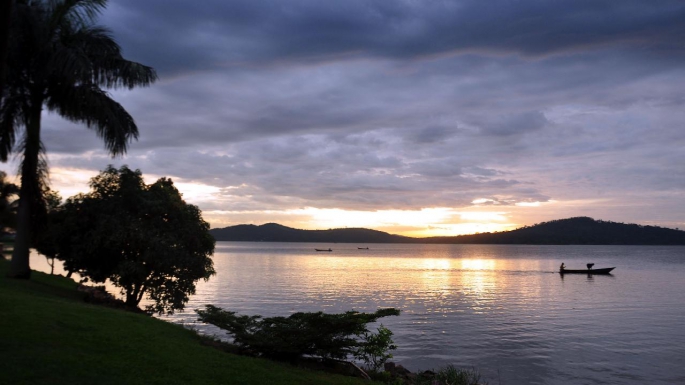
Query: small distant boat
323, 249
362, 248
605, 270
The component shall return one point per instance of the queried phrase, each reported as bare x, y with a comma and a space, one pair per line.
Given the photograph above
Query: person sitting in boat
589, 265
562, 267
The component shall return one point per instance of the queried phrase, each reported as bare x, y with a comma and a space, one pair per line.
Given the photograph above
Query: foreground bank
48, 335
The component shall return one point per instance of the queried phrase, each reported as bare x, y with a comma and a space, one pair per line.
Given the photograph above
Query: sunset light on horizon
480, 216
451, 128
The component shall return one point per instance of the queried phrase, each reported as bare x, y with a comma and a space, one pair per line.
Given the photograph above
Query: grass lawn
48, 335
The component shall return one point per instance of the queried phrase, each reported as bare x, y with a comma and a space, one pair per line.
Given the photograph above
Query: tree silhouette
5, 12
144, 239
59, 59
7, 206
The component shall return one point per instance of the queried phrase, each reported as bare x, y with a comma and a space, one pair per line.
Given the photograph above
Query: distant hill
273, 232
571, 231
574, 231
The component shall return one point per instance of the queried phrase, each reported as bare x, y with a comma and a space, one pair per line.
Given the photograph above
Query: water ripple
501, 309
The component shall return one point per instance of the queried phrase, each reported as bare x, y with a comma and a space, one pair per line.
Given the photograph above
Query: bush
374, 351
329, 336
450, 375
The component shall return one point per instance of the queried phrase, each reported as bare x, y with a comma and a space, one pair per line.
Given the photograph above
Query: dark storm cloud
375, 105
432, 104
179, 36
432, 134
515, 124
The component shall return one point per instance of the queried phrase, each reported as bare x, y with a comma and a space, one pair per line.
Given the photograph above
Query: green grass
48, 335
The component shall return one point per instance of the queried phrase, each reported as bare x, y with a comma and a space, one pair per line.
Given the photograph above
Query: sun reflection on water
478, 264
495, 307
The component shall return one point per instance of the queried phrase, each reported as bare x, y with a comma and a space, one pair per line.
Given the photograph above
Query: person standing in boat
562, 267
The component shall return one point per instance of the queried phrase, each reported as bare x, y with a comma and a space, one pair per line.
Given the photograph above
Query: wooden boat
362, 248
605, 270
323, 249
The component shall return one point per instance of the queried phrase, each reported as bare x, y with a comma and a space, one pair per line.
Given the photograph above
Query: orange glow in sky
426, 222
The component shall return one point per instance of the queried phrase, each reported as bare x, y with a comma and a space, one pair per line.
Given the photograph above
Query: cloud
432, 134
177, 36
401, 105
517, 124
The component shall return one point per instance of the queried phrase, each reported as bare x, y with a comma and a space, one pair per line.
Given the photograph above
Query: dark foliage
8, 203
330, 336
144, 238
59, 60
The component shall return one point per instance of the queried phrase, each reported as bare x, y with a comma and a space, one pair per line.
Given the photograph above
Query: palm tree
5, 12
59, 59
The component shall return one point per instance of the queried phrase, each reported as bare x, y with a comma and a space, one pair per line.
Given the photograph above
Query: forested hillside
571, 231
272, 232
575, 231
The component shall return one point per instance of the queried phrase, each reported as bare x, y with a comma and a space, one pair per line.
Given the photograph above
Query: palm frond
11, 119
107, 67
69, 60
74, 12
119, 72
92, 106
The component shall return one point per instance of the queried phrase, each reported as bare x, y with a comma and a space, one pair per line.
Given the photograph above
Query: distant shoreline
571, 231
462, 243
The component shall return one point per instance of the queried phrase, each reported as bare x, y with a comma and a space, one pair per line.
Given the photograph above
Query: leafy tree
59, 59
45, 240
330, 336
144, 238
7, 205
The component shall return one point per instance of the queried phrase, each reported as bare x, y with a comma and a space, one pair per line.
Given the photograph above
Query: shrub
329, 336
450, 375
374, 351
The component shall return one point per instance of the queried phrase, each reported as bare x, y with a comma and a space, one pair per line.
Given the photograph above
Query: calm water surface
501, 309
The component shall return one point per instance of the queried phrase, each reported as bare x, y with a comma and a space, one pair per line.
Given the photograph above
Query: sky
413, 117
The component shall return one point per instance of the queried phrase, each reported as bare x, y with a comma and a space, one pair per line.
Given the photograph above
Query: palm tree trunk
19, 268
28, 193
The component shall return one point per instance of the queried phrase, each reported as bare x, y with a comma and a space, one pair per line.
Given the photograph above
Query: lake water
501, 309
